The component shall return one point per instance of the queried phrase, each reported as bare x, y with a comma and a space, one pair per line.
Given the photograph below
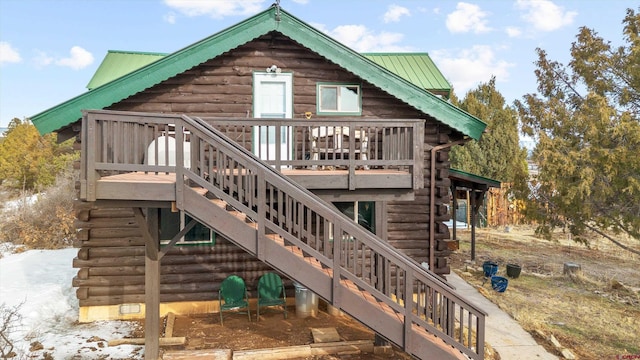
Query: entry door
273, 99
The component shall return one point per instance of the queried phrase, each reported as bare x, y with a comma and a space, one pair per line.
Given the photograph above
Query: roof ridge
241, 33
134, 52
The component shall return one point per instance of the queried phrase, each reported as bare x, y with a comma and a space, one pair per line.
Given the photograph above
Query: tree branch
637, 252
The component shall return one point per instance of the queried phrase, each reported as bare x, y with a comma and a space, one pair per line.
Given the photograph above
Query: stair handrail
346, 223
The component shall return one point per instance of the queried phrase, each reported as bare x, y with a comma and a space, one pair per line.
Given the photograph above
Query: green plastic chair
233, 296
271, 293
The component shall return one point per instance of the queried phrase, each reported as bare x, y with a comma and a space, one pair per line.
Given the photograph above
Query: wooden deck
137, 186
373, 183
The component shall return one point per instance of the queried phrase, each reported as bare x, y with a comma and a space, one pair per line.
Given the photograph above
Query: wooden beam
165, 341
176, 238
305, 351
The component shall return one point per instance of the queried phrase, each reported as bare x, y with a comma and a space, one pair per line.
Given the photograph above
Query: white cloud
79, 58
361, 39
8, 54
170, 18
469, 67
303, 2
216, 8
467, 17
42, 59
544, 15
395, 12
513, 31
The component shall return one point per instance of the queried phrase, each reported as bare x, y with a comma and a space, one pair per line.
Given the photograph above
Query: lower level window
361, 211
172, 222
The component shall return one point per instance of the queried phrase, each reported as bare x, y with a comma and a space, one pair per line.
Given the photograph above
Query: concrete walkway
503, 333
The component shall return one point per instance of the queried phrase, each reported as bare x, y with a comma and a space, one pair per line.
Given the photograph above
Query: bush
46, 223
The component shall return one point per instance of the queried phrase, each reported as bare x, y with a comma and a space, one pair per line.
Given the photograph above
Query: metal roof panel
118, 63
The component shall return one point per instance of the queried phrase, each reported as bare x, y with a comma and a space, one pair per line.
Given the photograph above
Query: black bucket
513, 270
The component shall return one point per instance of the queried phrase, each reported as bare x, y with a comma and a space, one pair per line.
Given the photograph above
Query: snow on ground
38, 282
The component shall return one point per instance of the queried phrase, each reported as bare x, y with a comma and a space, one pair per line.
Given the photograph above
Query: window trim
338, 112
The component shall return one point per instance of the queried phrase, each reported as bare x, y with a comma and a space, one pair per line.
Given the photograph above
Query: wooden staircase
286, 226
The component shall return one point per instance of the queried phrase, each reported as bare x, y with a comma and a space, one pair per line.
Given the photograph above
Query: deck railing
284, 209
345, 143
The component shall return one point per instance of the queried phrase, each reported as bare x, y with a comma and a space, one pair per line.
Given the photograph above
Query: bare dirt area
272, 331
595, 313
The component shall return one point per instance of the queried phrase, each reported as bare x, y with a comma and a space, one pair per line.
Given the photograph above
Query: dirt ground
272, 330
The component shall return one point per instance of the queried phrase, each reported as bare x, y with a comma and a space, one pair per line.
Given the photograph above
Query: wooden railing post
89, 151
337, 260
180, 137
352, 158
408, 304
261, 202
418, 155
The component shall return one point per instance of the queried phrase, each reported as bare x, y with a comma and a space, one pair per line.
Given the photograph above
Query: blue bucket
499, 283
490, 268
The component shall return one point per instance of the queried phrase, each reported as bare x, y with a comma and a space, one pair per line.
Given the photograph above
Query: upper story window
172, 222
339, 99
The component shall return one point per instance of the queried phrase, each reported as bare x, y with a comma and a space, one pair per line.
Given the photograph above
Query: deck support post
149, 229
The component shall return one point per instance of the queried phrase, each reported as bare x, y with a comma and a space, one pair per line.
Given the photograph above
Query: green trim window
172, 222
364, 212
339, 99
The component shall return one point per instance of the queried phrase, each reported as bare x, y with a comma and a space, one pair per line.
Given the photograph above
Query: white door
272, 99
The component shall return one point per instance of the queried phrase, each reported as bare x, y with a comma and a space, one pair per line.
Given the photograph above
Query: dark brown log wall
111, 255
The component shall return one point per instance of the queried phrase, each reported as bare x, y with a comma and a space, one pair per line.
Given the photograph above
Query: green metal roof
464, 176
272, 19
417, 68
118, 63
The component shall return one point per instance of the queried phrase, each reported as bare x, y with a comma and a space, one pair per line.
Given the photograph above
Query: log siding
110, 259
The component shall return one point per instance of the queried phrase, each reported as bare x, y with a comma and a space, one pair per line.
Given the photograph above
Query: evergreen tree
585, 118
498, 154
30, 161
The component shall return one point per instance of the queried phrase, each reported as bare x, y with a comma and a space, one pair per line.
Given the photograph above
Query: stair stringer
290, 261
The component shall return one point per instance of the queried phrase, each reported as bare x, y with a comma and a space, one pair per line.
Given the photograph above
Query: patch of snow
38, 283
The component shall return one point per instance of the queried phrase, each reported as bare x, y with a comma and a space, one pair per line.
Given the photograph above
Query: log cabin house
254, 150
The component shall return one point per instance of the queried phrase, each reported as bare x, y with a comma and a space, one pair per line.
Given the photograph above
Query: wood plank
324, 335
306, 351
203, 354
171, 320
173, 341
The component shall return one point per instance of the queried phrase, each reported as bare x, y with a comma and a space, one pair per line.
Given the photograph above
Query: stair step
200, 190
239, 215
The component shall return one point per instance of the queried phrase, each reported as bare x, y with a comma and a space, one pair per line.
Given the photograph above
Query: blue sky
49, 49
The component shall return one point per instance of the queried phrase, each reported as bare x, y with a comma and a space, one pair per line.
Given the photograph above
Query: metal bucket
306, 302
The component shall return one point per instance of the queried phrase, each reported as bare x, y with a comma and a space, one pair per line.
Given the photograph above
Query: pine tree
498, 154
585, 118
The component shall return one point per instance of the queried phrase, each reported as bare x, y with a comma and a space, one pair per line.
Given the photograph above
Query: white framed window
339, 99
172, 222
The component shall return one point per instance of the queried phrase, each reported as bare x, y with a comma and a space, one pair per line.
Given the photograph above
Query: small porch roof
464, 180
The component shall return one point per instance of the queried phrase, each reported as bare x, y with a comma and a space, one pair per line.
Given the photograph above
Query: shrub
46, 223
